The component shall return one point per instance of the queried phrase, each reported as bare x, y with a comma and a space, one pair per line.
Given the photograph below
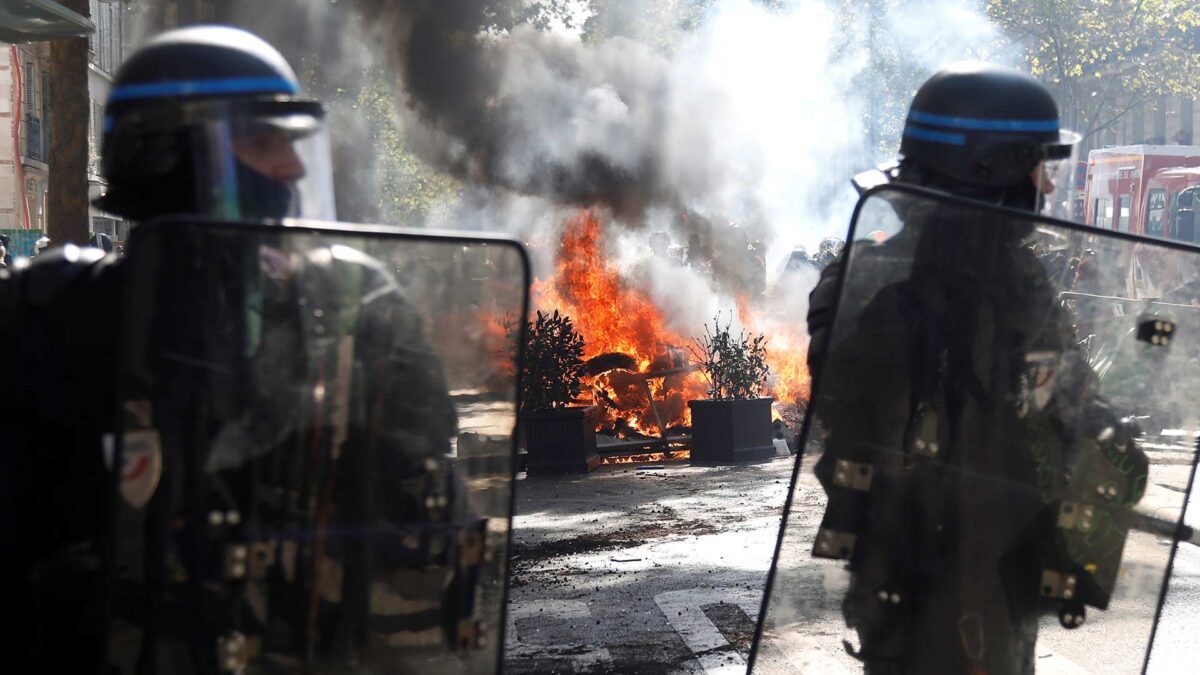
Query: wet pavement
661, 570
652, 571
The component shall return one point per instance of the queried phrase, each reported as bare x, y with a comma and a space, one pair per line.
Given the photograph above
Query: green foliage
895, 67
736, 367
1105, 58
655, 22
553, 361
408, 188
538, 13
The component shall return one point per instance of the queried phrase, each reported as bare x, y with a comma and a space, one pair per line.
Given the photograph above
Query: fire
789, 367
610, 316
649, 457
616, 318
787, 352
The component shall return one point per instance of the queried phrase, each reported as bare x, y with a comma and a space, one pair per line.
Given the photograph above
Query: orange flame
787, 352
649, 457
614, 317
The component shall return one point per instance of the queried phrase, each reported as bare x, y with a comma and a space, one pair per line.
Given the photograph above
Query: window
95, 117
106, 38
1182, 223
1123, 213
46, 110
104, 225
31, 100
1186, 225
104, 43
1104, 213
1156, 207
93, 48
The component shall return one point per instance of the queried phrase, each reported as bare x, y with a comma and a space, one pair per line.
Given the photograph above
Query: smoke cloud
755, 116
622, 124
729, 123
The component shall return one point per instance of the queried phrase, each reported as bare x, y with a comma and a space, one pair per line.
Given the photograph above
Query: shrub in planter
558, 437
734, 423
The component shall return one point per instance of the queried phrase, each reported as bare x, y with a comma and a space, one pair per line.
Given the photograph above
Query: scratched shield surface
999, 451
317, 449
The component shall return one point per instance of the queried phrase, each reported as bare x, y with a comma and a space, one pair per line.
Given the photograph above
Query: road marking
808, 655
1053, 663
683, 610
582, 660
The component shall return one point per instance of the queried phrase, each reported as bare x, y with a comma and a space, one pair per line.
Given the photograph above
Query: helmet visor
1053, 177
263, 160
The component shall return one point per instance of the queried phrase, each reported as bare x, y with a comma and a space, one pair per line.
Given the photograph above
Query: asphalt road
662, 571
642, 571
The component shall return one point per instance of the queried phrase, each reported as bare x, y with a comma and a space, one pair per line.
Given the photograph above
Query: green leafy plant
553, 362
735, 366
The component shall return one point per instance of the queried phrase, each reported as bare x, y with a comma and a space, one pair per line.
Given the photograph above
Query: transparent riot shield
998, 452
317, 455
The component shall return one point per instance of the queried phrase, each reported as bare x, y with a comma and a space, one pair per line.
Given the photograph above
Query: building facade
106, 51
25, 164
1164, 120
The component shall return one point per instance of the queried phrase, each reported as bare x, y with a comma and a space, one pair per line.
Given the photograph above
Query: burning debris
617, 319
598, 365
638, 372
630, 136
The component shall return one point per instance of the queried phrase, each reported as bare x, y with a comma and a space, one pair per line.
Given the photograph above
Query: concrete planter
560, 442
725, 431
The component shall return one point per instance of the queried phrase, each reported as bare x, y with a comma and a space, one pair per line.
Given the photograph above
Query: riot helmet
208, 120
985, 132
828, 250
101, 241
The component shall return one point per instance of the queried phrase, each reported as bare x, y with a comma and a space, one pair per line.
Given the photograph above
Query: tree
408, 188
1105, 58
656, 22
67, 196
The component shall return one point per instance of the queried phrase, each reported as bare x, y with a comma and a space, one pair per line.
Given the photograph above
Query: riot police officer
282, 419
976, 131
954, 393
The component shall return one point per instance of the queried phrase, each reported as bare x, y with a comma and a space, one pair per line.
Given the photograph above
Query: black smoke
510, 106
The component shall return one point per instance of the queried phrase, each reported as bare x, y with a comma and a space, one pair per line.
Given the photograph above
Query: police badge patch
1037, 381
141, 466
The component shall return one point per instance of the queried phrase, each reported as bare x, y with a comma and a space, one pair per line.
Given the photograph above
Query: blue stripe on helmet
976, 124
233, 85
935, 136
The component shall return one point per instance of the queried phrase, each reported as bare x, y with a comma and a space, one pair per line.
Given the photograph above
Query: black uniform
279, 424
224, 374
304, 419
932, 385
59, 337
